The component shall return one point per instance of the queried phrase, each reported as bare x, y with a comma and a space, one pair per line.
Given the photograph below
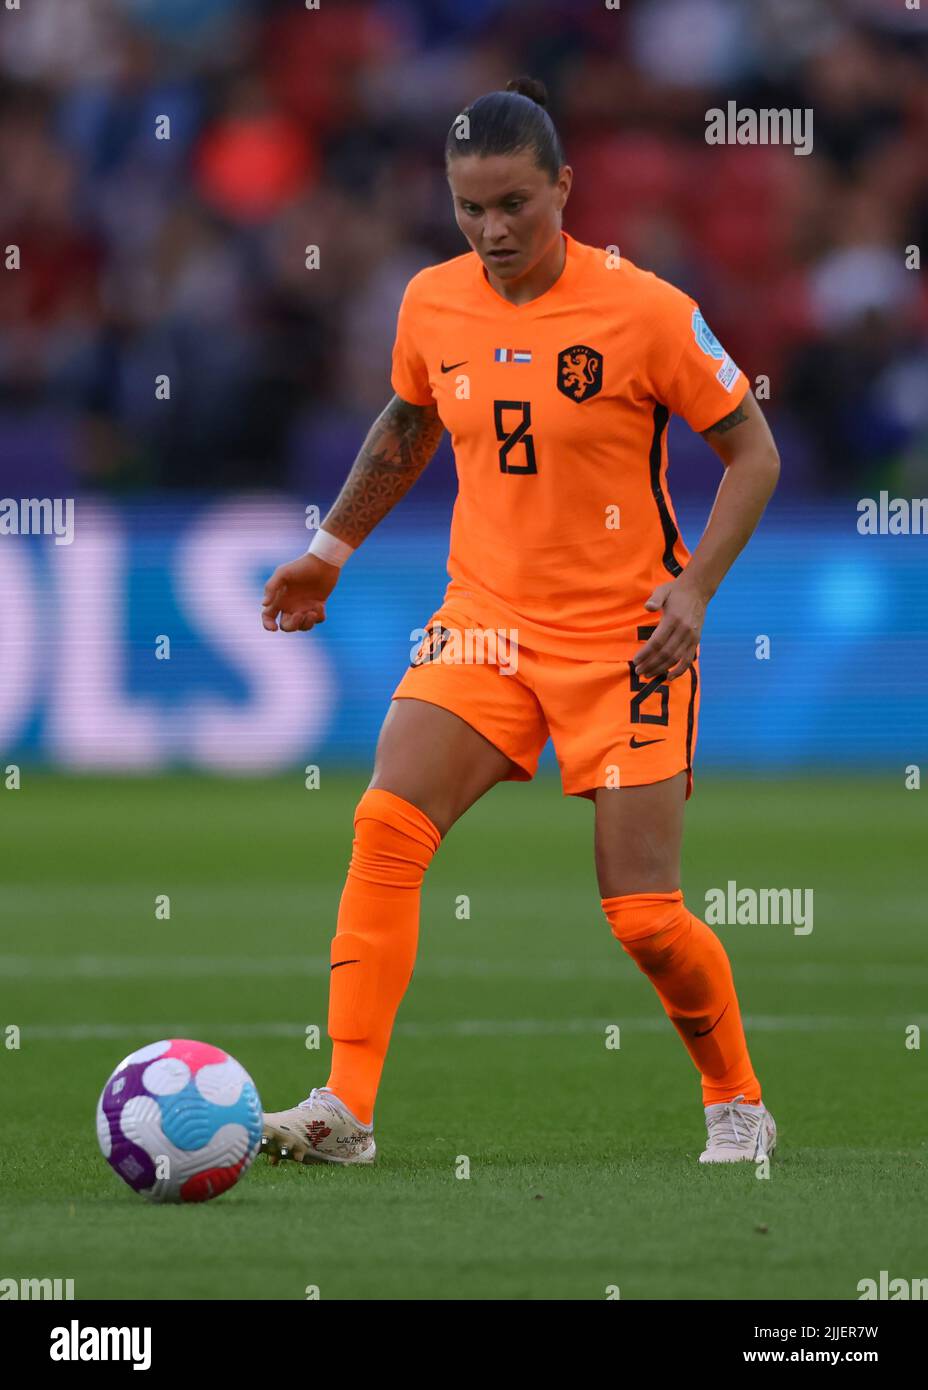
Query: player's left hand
671, 648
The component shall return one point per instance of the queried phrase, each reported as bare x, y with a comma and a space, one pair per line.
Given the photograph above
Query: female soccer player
555, 366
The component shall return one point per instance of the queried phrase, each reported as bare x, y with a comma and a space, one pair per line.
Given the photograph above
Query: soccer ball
179, 1121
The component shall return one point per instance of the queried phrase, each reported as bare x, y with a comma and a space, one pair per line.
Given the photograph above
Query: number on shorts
643, 690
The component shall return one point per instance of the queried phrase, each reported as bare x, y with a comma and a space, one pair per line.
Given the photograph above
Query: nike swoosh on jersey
453, 365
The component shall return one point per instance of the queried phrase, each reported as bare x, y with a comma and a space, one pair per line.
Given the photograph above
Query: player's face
508, 209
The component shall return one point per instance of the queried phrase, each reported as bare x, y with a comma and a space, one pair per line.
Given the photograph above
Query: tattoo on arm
728, 422
398, 447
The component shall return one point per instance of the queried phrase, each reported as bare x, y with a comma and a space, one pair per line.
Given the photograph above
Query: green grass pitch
583, 1172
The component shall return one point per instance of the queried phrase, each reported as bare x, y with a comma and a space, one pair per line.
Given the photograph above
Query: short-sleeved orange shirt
558, 410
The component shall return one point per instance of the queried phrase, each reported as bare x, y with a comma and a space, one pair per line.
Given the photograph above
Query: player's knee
652, 928
394, 841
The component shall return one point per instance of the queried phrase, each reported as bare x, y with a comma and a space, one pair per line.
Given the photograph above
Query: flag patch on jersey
511, 355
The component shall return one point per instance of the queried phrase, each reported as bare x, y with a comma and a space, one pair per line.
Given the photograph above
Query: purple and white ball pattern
179, 1121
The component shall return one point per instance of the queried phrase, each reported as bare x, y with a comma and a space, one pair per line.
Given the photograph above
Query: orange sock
374, 947
688, 966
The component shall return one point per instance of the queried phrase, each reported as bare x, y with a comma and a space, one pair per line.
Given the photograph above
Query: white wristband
330, 549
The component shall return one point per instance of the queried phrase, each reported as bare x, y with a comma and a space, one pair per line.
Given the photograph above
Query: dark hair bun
530, 87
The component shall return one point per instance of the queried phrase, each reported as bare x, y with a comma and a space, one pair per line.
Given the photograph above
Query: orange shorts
609, 727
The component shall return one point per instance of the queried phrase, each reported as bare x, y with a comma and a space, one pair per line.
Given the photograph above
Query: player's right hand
296, 594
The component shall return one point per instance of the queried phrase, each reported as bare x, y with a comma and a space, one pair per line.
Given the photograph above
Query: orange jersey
558, 410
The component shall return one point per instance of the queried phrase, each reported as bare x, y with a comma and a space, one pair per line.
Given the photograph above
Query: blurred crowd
291, 126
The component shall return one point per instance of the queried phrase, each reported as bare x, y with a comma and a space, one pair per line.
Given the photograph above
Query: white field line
460, 1028
614, 969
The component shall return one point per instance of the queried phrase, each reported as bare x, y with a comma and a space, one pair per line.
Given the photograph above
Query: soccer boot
318, 1130
738, 1132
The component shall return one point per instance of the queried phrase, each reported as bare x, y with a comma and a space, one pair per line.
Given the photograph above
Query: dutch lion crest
579, 372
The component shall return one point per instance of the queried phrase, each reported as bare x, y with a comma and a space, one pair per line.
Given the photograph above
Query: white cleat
738, 1132
318, 1130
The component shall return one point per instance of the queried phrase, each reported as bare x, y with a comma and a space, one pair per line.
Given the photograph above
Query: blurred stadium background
292, 127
